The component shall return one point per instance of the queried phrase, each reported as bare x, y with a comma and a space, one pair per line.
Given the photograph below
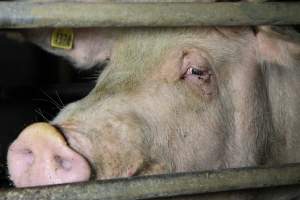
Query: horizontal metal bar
67, 14
164, 185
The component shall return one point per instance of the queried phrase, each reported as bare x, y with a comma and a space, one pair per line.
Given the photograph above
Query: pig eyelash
194, 71
202, 74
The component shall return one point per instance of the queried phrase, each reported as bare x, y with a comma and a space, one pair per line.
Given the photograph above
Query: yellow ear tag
62, 38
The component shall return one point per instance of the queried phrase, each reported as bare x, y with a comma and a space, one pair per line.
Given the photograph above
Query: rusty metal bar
161, 186
74, 14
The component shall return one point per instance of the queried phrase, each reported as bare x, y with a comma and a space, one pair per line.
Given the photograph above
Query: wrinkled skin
170, 100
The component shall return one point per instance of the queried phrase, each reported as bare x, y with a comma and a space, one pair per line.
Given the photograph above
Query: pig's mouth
41, 156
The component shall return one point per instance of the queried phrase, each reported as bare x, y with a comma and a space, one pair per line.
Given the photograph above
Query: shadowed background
34, 86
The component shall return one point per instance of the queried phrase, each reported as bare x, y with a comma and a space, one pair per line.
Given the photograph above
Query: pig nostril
67, 164
63, 163
28, 151
28, 156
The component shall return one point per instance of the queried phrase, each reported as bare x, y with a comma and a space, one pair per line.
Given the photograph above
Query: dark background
34, 85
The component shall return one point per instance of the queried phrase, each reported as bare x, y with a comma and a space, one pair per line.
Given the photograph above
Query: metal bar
67, 14
161, 186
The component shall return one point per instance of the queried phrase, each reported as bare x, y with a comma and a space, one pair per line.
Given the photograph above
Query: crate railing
165, 186
73, 14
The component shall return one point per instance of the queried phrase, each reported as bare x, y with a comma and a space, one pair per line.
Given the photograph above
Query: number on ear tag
62, 38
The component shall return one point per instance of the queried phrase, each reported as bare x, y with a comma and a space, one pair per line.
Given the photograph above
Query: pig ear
279, 45
85, 48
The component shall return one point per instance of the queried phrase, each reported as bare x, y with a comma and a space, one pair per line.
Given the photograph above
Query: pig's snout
41, 156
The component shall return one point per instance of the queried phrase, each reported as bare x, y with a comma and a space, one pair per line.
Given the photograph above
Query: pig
169, 100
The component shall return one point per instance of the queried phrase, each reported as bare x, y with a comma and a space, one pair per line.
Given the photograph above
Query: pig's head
169, 100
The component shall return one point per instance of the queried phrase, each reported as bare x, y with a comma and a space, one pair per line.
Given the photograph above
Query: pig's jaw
41, 156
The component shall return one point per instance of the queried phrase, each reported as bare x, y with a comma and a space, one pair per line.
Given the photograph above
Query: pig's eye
200, 74
201, 80
194, 71
197, 73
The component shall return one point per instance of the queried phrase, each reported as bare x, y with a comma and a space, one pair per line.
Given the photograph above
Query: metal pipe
71, 14
161, 186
